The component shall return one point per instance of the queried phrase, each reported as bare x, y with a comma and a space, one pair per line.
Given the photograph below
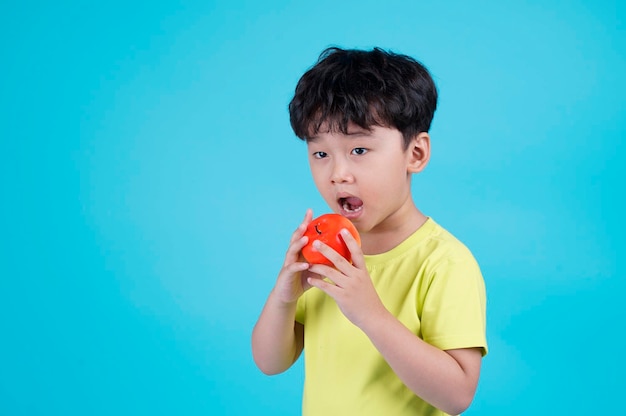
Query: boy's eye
320, 155
359, 151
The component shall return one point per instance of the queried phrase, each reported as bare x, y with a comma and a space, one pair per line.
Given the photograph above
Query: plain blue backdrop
150, 183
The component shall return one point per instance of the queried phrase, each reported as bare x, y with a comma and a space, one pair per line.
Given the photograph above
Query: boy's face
365, 175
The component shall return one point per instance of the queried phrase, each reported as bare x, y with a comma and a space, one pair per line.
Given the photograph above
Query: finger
308, 216
293, 252
335, 258
341, 269
329, 288
299, 232
326, 271
356, 253
294, 268
308, 273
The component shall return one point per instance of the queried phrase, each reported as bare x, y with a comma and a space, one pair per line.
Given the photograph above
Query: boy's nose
341, 174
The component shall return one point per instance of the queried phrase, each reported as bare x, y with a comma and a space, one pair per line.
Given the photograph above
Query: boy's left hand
350, 284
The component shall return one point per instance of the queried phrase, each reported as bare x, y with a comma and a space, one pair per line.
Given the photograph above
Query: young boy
400, 330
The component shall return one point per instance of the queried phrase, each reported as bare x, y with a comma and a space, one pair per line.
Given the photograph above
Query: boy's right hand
292, 279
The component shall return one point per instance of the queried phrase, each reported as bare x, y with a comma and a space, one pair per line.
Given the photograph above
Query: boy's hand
350, 284
292, 279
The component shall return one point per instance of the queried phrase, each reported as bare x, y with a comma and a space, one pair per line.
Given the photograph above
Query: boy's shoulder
442, 244
430, 243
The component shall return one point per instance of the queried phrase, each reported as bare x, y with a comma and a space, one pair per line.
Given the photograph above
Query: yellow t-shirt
433, 285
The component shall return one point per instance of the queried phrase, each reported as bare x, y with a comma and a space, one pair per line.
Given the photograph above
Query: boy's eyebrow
352, 132
359, 132
349, 135
311, 139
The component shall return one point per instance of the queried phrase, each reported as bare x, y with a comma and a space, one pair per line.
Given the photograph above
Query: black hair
367, 88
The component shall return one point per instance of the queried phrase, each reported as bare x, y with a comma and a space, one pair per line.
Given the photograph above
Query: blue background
150, 183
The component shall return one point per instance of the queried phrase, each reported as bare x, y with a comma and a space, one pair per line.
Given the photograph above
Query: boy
400, 330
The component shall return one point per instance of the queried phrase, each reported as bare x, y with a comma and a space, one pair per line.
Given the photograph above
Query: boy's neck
393, 232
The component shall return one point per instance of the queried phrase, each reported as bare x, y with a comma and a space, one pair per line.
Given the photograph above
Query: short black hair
365, 87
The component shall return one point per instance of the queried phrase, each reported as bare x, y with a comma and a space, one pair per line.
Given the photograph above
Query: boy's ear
418, 152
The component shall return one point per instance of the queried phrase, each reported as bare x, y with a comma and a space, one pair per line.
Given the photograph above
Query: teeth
347, 207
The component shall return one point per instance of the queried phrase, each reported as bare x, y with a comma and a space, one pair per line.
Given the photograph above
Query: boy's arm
277, 339
445, 379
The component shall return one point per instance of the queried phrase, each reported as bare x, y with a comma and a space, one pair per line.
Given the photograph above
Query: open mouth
351, 204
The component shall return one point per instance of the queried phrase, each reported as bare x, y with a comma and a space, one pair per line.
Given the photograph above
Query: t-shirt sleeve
453, 306
300, 309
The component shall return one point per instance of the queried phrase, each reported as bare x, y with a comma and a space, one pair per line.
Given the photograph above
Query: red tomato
326, 228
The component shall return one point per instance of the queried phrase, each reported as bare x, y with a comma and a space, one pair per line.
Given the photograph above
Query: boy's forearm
275, 346
432, 374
